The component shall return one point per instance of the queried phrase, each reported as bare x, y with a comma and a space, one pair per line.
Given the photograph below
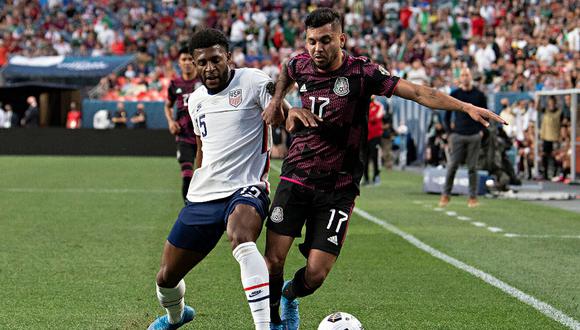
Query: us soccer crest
235, 97
341, 87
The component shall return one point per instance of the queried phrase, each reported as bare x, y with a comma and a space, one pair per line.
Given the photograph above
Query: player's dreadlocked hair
323, 16
206, 38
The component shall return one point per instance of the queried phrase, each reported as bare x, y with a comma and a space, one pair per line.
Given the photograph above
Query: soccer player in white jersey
229, 189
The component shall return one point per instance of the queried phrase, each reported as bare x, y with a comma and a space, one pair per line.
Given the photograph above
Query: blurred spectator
417, 74
387, 138
535, 44
550, 135
436, 144
139, 119
563, 154
10, 118
31, 115
73, 117
2, 115
101, 119
375, 132
120, 118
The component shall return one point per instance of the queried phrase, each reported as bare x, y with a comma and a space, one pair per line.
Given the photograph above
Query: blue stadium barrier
153, 110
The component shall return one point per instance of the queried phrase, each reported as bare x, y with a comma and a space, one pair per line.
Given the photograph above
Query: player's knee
274, 263
237, 238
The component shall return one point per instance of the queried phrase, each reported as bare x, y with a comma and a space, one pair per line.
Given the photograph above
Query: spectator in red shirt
73, 118
376, 113
477, 25
405, 16
3, 53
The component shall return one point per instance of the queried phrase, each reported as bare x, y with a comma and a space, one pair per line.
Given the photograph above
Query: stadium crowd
521, 45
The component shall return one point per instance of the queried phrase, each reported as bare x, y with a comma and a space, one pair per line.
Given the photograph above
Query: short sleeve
171, 93
263, 87
190, 106
291, 67
379, 81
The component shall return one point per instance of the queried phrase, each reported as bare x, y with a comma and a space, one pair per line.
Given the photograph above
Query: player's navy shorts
200, 226
326, 215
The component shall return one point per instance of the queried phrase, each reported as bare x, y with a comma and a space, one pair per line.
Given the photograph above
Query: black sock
276, 283
185, 187
298, 286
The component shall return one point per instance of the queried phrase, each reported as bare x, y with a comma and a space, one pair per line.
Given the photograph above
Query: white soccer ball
340, 321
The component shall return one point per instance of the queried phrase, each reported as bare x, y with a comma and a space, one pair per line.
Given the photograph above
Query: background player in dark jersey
180, 125
321, 174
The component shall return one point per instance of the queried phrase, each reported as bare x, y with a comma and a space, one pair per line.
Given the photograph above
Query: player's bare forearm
428, 96
168, 112
173, 126
274, 113
283, 84
198, 153
435, 99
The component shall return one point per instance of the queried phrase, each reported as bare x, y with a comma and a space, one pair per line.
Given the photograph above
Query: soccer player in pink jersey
321, 174
180, 124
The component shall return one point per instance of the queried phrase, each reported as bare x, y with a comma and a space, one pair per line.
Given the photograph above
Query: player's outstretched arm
434, 99
273, 114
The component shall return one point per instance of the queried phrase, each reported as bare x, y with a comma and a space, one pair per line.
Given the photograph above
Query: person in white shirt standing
229, 189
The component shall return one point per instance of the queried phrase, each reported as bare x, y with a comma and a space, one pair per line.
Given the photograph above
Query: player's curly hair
323, 16
206, 38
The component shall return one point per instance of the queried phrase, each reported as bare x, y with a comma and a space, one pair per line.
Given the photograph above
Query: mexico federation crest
277, 215
341, 87
235, 97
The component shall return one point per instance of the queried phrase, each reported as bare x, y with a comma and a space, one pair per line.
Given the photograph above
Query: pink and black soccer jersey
178, 93
332, 155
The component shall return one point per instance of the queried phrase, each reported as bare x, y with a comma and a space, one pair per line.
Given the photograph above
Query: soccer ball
340, 321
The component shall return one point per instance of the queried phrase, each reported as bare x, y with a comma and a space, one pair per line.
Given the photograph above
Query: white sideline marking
478, 224
451, 213
438, 209
539, 305
86, 190
462, 218
494, 229
511, 235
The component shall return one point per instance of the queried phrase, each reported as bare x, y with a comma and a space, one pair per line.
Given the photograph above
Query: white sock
172, 300
254, 275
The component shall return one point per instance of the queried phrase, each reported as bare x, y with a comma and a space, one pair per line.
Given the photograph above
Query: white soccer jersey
235, 140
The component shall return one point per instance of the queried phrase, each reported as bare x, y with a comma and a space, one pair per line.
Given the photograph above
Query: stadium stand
514, 47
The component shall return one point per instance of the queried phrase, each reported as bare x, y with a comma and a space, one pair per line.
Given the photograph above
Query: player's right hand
297, 116
174, 127
273, 114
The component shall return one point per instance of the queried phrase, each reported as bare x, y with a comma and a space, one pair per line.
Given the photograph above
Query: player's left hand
302, 116
482, 115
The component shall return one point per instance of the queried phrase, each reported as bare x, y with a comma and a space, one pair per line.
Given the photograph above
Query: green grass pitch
81, 239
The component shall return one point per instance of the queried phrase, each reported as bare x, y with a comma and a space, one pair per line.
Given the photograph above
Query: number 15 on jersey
202, 126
